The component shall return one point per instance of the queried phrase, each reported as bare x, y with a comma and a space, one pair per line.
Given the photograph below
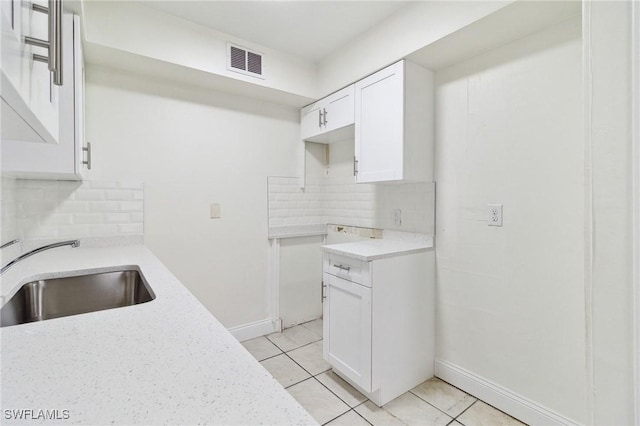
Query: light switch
397, 217
215, 211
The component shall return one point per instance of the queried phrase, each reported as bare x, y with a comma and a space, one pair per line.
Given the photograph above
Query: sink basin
60, 297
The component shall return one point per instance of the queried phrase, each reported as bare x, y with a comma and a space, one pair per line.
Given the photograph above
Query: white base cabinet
379, 322
63, 160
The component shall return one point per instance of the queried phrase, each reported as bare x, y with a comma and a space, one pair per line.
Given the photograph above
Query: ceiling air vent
244, 61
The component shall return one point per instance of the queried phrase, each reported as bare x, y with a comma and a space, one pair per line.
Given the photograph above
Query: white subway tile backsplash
37, 209
87, 218
131, 228
118, 195
338, 200
131, 206
117, 218
89, 195
104, 206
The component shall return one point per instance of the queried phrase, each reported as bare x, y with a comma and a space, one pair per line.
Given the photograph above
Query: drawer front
348, 268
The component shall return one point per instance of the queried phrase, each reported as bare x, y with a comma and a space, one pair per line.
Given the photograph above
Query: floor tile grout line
303, 346
465, 410
298, 364
362, 403
350, 409
269, 357
322, 384
297, 383
439, 409
337, 396
314, 376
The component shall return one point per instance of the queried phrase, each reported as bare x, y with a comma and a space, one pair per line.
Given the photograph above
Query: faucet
10, 243
72, 243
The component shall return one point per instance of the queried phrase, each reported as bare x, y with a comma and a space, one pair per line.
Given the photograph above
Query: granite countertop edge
167, 361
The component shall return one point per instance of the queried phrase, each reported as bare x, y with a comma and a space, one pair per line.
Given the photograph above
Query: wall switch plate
397, 217
494, 214
215, 211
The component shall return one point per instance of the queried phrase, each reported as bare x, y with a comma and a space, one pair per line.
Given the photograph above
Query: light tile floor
294, 358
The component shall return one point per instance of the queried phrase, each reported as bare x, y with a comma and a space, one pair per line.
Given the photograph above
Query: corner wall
510, 300
192, 148
608, 127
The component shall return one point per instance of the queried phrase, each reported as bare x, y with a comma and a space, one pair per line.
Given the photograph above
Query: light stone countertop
168, 361
295, 231
373, 249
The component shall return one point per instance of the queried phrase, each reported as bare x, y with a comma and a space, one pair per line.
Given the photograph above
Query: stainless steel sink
60, 297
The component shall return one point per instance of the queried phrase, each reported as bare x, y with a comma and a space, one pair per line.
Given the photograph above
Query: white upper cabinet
30, 105
328, 119
63, 160
394, 125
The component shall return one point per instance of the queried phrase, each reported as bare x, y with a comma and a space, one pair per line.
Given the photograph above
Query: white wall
131, 27
409, 29
192, 148
510, 300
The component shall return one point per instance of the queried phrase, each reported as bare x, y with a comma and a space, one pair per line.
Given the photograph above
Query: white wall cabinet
30, 105
394, 125
328, 119
63, 160
379, 321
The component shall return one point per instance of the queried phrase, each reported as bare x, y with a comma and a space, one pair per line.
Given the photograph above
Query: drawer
348, 268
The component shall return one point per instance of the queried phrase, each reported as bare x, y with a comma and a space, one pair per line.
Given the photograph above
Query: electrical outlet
397, 217
494, 214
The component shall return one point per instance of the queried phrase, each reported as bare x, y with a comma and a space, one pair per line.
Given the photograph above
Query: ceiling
308, 29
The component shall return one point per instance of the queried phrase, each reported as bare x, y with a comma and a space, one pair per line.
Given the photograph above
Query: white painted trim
587, 102
274, 282
635, 186
254, 329
504, 399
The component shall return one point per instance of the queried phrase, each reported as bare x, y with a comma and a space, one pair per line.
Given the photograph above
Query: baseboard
254, 329
511, 403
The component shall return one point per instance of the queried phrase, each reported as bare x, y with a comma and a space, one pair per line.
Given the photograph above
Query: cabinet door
347, 319
339, 109
64, 159
311, 121
379, 128
44, 94
319, 121
14, 62
30, 100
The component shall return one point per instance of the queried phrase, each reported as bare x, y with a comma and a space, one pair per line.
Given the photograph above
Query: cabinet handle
344, 268
87, 149
325, 117
320, 118
55, 40
54, 44
322, 296
355, 166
